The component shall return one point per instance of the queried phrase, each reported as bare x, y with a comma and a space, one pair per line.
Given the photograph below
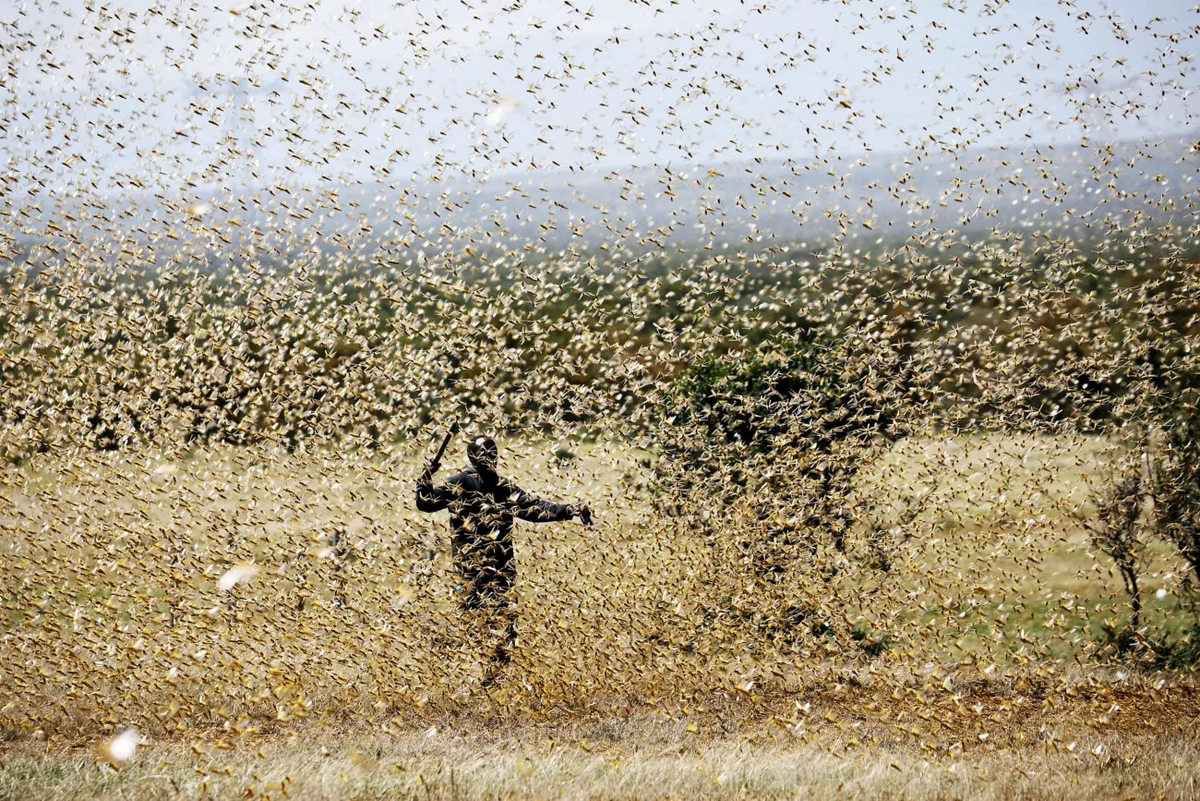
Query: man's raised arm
431, 498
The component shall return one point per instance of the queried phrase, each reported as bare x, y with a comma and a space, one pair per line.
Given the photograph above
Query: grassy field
974, 666
853, 742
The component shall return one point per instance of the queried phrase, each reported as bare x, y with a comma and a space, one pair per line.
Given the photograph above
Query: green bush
788, 395
760, 447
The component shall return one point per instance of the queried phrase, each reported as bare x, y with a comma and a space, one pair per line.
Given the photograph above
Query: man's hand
583, 513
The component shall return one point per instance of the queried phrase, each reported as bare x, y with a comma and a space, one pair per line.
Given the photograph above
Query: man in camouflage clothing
483, 505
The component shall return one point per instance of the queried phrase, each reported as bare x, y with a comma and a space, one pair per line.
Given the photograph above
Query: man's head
483, 454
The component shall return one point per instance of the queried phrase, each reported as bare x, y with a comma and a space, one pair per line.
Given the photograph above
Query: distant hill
1092, 189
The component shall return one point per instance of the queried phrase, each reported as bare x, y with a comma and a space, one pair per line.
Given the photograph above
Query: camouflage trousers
486, 598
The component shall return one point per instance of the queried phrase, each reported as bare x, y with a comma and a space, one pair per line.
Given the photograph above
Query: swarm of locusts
922, 415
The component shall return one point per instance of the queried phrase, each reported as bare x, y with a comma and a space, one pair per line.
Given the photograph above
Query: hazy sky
179, 94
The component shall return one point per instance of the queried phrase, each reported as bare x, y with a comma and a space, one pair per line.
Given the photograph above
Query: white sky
178, 94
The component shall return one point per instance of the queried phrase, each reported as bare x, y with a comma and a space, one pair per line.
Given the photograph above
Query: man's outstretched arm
535, 510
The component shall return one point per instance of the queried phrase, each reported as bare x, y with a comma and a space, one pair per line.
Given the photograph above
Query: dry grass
626, 682
726, 751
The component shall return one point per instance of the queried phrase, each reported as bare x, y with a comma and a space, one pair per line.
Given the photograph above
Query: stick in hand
435, 463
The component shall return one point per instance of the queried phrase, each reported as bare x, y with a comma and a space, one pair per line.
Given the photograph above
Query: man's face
484, 454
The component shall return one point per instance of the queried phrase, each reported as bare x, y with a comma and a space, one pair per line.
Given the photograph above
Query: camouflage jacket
482, 509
